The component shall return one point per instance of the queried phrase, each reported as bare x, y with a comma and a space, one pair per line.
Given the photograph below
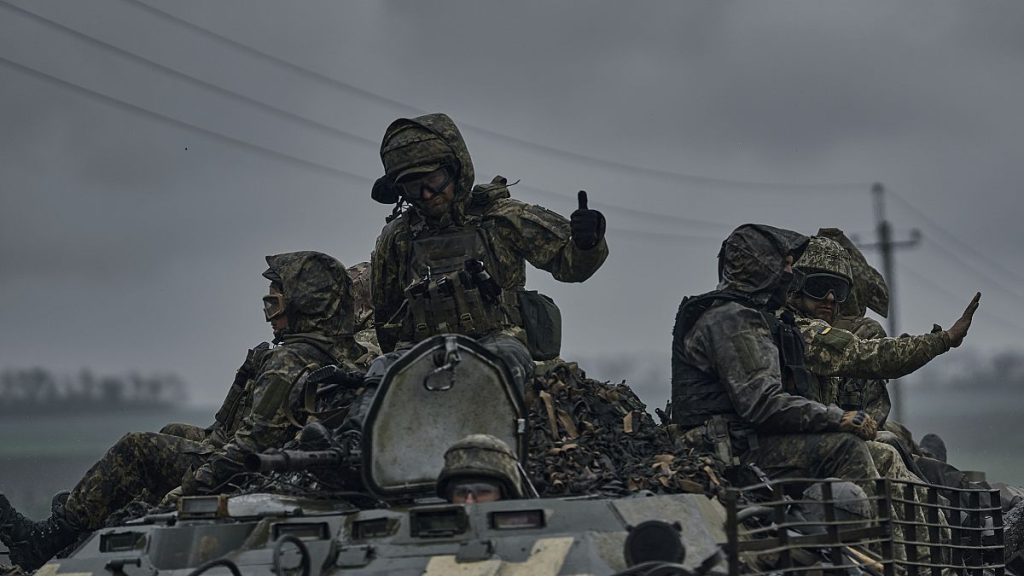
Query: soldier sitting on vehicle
310, 309
479, 468
455, 260
736, 366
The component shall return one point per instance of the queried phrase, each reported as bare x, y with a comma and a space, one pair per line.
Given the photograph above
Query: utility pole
886, 245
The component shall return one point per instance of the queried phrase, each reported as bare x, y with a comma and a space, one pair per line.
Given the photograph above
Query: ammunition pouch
451, 303
232, 402
229, 409
542, 321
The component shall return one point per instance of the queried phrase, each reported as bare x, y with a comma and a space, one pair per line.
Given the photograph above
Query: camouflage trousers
143, 465
890, 464
186, 431
821, 455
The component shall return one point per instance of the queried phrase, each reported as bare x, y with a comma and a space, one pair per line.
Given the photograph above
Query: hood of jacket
753, 258
317, 292
428, 140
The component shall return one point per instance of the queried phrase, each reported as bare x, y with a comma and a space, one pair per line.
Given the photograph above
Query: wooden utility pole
886, 245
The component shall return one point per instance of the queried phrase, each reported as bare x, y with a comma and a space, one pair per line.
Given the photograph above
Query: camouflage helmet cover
422, 144
317, 291
825, 255
481, 455
869, 287
850, 502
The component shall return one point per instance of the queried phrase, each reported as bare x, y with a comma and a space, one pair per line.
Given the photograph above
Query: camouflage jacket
734, 343
271, 408
842, 359
868, 394
514, 232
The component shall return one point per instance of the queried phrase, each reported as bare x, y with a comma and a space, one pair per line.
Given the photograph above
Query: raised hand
959, 329
587, 225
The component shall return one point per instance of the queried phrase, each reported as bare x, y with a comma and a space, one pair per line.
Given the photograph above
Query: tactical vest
697, 395
441, 297
239, 401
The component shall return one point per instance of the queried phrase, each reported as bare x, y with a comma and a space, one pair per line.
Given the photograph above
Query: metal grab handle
452, 358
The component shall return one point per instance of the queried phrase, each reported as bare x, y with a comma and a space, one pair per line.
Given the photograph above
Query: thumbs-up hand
587, 225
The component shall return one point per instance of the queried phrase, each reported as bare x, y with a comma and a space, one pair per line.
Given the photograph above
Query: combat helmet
850, 503
825, 255
481, 455
419, 145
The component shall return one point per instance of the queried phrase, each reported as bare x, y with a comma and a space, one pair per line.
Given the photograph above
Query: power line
521, 142
307, 121
273, 110
666, 218
941, 230
967, 264
122, 104
934, 286
263, 150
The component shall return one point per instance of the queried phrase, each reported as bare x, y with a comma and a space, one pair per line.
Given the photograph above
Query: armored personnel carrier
393, 522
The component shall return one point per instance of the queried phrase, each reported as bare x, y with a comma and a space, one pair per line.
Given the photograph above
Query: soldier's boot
14, 527
42, 541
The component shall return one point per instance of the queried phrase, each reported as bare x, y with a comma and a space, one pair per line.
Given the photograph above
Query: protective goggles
434, 182
817, 285
479, 490
273, 306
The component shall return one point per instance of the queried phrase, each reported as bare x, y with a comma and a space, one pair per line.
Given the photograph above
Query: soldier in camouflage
421, 277
735, 367
479, 468
310, 309
837, 357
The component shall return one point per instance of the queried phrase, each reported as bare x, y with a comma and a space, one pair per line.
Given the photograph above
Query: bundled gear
481, 456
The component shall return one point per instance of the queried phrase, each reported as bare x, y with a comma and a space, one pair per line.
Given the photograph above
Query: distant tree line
39, 388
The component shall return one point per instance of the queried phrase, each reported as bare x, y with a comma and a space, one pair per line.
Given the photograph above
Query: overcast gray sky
153, 152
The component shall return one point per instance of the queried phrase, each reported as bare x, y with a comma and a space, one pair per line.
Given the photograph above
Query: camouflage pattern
318, 301
869, 287
365, 335
825, 255
186, 431
890, 464
831, 351
735, 343
820, 455
868, 394
481, 456
751, 260
148, 465
514, 232
141, 465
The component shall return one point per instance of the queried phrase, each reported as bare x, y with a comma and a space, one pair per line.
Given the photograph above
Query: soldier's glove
587, 225
959, 329
860, 423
